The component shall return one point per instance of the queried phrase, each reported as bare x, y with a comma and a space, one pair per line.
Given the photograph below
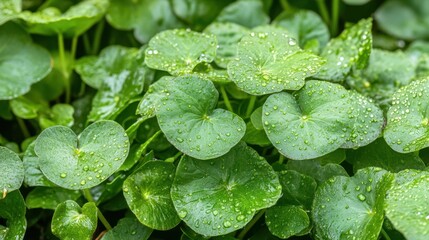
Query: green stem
323, 10
86, 43
63, 64
23, 127
145, 144
97, 37
251, 105
250, 224
385, 235
73, 48
173, 158
130, 130
335, 15
103, 220
281, 159
285, 5
225, 98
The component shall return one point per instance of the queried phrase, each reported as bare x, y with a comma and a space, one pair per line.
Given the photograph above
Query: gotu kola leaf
147, 192
221, 195
75, 21
12, 171
84, 161
408, 118
271, 61
351, 48
119, 75
346, 208
189, 120
70, 221
18, 70
12, 209
407, 205
9, 9
321, 117
179, 51
128, 228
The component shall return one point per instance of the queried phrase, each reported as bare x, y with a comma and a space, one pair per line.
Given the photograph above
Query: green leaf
27, 107
12, 171
305, 26
271, 61
119, 75
351, 48
297, 189
189, 120
84, 161
73, 22
33, 175
346, 208
128, 228
316, 170
147, 192
321, 117
386, 72
59, 114
198, 13
9, 9
152, 98
407, 206
221, 195
255, 136
70, 221
18, 55
12, 209
228, 35
408, 119
49, 197
146, 17
249, 13
179, 51
287, 221
379, 154
405, 19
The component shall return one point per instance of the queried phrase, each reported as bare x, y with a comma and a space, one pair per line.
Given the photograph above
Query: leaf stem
145, 144
103, 220
250, 224
225, 98
97, 37
281, 158
73, 48
385, 235
335, 12
251, 105
64, 71
131, 129
23, 127
86, 43
173, 158
323, 10
285, 5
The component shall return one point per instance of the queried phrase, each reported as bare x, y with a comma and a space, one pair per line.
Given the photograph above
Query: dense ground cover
201, 119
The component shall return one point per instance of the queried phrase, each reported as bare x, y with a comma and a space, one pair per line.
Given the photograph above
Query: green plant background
201, 119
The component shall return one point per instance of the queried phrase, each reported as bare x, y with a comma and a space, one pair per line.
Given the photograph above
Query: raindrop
63, 175
361, 197
183, 213
227, 224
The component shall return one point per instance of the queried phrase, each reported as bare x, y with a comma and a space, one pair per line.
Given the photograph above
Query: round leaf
147, 192
407, 119
189, 121
179, 51
12, 208
49, 197
228, 35
33, 175
271, 61
70, 221
119, 75
287, 221
146, 17
407, 206
315, 120
297, 189
84, 161
351, 48
12, 171
75, 21
406, 19
221, 195
9, 9
128, 228
304, 26
346, 208
18, 70
152, 98
246, 13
